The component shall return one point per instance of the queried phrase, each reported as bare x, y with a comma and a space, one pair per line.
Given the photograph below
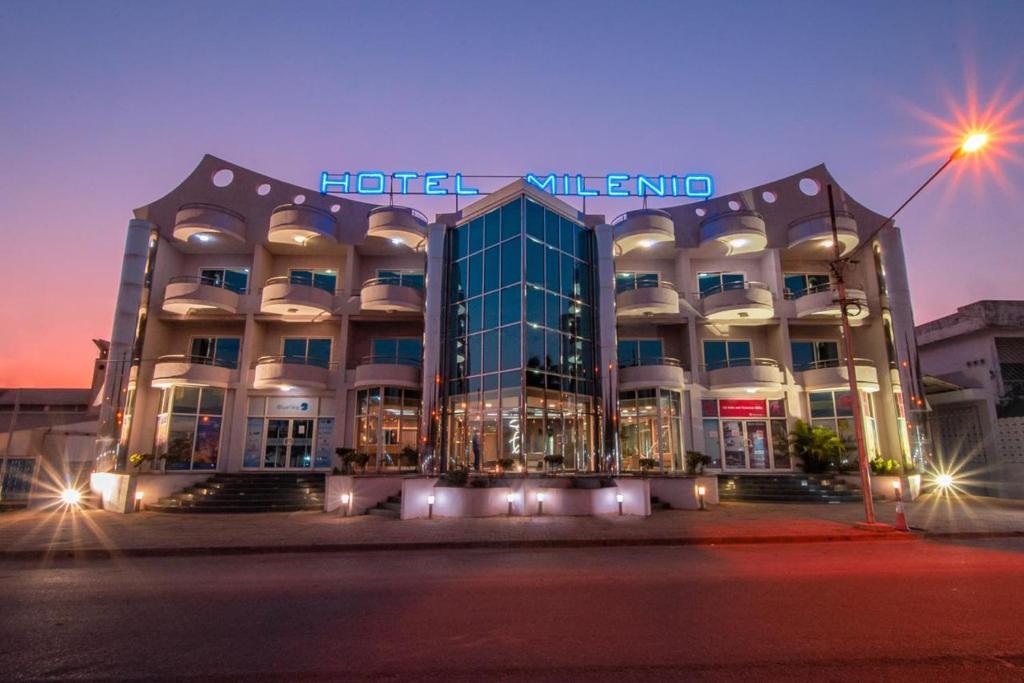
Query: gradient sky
107, 106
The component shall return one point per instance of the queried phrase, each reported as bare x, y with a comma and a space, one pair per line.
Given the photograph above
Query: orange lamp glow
974, 142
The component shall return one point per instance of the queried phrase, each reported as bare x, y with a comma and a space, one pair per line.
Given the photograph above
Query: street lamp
971, 143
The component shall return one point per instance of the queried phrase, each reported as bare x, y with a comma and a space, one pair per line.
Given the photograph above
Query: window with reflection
386, 425
651, 430
189, 427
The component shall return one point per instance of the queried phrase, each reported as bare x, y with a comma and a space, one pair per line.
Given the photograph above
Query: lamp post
972, 143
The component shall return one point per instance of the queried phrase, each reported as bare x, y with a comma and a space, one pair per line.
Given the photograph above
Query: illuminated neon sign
433, 183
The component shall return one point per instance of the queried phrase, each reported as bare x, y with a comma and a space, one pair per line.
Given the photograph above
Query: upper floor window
219, 351
799, 284
325, 279
232, 279
639, 351
404, 278
307, 351
726, 353
627, 281
710, 283
401, 351
814, 354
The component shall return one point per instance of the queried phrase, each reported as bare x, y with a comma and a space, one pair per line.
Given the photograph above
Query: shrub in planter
479, 482
696, 462
648, 464
819, 449
457, 477
885, 467
410, 457
507, 464
553, 461
136, 459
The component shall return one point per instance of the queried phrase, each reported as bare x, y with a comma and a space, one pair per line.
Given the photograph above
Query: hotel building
261, 325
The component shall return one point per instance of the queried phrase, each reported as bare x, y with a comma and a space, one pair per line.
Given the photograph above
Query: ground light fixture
971, 143
701, 490
510, 498
618, 499
71, 497
540, 502
430, 507
346, 498
944, 480
139, 495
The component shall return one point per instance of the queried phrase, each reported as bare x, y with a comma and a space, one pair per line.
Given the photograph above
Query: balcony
642, 229
738, 302
388, 294
832, 374
392, 371
749, 374
734, 232
822, 301
281, 296
298, 224
648, 298
197, 371
644, 373
288, 372
398, 224
186, 294
208, 222
812, 236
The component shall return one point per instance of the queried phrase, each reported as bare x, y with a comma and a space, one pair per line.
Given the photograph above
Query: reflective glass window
510, 347
476, 235
492, 268
511, 264
511, 304
492, 228
511, 219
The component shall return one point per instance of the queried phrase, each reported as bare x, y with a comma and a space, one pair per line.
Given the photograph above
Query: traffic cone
901, 519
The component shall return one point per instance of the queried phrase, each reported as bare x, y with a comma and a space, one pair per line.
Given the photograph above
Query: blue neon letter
675, 186
614, 182
645, 185
403, 180
377, 177
327, 182
431, 183
698, 186
582, 189
549, 179
459, 189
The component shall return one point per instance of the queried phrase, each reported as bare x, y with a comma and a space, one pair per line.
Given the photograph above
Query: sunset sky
107, 106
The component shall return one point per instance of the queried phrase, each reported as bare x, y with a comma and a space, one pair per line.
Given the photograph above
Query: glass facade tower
519, 387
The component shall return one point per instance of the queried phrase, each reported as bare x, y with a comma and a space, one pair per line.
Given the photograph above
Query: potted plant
818, 448
506, 464
345, 458
553, 461
696, 462
647, 464
457, 477
409, 457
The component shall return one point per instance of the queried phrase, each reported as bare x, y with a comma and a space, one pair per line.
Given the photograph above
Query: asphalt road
823, 612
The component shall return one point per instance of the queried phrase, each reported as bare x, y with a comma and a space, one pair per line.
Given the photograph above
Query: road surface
839, 611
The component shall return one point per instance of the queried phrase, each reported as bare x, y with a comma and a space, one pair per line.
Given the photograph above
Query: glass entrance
757, 445
289, 444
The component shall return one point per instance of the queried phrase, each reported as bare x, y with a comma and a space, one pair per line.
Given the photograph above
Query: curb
213, 551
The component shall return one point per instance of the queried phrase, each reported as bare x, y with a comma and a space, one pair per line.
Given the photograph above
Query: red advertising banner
751, 407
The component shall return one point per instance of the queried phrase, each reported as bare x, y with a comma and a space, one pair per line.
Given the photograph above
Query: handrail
820, 214
296, 360
392, 280
215, 207
625, 216
405, 209
287, 279
834, 363
644, 284
197, 360
746, 284
741, 363
193, 279
650, 360
792, 294
390, 359
305, 207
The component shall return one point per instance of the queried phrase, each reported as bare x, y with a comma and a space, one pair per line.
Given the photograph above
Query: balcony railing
302, 282
390, 359
649, 360
643, 284
210, 282
199, 360
730, 286
740, 363
832, 363
404, 209
395, 281
296, 360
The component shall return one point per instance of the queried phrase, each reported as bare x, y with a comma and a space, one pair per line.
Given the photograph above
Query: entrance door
734, 445
757, 445
275, 453
289, 444
301, 444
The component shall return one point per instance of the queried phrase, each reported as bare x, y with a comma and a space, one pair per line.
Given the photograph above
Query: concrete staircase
787, 488
244, 492
390, 508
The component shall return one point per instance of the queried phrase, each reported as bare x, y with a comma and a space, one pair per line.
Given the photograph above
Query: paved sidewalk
28, 535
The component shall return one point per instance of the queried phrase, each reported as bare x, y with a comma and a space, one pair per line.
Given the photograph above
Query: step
385, 512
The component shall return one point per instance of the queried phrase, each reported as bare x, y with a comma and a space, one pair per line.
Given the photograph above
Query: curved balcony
185, 294
833, 374
642, 229
208, 222
298, 224
399, 224
651, 372
197, 371
392, 371
288, 372
388, 294
281, 296
739, 302
822, 301
648, 299
737, 232
750, 374
813, 234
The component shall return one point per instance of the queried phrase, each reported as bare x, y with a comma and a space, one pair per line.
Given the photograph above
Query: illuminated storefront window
834, 410
386, 423
189, 426
746, 434
519, 375
651, 430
